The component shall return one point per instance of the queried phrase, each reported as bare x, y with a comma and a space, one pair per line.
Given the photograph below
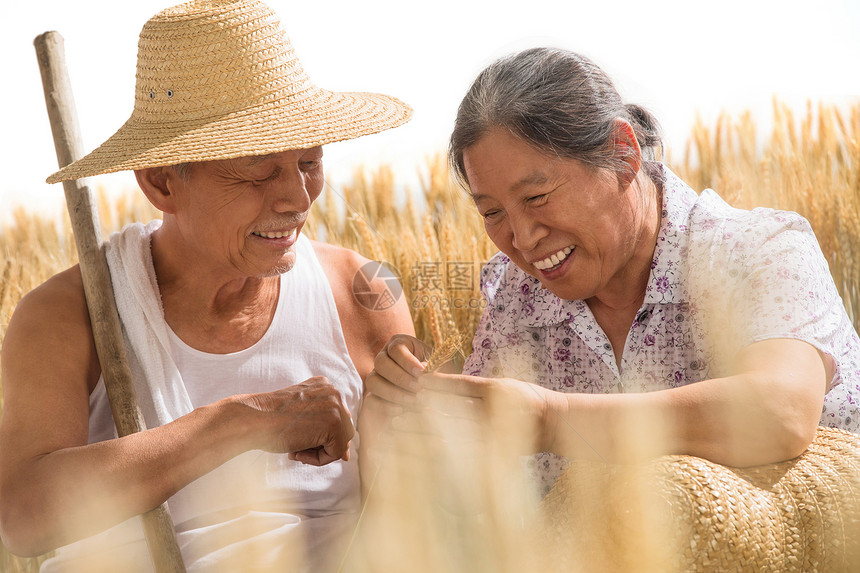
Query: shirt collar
539, 307
665, 283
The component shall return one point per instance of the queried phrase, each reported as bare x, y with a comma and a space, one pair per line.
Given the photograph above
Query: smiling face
244, 215
578, 230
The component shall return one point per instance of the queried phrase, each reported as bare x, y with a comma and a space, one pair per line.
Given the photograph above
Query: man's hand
308, 421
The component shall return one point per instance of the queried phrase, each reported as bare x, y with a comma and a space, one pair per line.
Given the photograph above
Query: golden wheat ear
445, 352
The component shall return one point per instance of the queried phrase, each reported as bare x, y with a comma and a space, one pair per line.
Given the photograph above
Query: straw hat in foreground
682, 513
218, 79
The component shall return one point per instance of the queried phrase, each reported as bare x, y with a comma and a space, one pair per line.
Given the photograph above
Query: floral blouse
756, 274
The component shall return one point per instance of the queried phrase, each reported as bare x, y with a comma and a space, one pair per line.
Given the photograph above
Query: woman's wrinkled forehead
531, 179
501, 164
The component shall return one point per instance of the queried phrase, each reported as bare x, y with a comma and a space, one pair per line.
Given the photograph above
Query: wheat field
433, 239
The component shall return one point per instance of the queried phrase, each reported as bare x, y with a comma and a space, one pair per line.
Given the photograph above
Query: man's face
245, 214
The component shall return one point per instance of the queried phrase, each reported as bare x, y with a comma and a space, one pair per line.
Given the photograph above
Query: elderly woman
622, 299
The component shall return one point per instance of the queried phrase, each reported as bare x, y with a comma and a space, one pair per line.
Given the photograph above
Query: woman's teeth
276, 235
554, 260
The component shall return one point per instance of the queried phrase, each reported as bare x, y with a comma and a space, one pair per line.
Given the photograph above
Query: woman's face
578, 230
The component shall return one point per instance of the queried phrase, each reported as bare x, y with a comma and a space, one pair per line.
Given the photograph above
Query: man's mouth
555, 260
274, 234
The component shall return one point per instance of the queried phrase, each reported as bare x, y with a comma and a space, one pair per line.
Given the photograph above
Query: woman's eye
537, 199
490, 214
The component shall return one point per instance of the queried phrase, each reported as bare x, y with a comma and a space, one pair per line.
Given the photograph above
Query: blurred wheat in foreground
434, 240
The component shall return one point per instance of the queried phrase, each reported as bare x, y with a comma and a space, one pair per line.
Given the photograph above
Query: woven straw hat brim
682, 513
252, 131
219, 79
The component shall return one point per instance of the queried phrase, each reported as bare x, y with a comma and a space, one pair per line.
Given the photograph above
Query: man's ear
628, 151
159, 184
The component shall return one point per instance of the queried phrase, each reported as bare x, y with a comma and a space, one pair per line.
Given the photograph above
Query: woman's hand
512, 415
515, 413
394, 378
390, 389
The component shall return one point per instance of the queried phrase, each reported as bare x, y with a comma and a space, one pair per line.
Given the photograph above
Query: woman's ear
159, 184
628, 151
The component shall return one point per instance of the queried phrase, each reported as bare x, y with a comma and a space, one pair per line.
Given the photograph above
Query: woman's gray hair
557, 101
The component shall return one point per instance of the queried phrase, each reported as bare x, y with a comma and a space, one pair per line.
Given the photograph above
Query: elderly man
247, 346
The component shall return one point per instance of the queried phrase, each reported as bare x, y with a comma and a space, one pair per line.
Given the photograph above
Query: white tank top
305, 339
279, 514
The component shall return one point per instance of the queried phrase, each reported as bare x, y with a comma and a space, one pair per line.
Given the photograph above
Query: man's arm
367, 328
55, 488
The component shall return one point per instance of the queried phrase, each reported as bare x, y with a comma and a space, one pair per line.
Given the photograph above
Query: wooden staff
107, 332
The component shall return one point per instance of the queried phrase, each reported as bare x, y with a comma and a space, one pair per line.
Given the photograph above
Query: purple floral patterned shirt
755, 275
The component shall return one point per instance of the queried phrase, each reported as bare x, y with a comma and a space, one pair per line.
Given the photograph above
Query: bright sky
676, 57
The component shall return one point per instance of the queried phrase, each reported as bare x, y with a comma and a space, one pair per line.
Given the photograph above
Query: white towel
159, 386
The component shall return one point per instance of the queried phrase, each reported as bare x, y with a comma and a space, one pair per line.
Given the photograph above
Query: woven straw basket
681, 513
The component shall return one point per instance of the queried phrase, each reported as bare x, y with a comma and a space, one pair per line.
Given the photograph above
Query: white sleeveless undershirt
305, 339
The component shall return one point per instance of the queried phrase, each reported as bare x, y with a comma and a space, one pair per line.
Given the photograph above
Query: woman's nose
526, 232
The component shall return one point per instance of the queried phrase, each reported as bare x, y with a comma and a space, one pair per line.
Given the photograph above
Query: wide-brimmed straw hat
218, 79
683, 513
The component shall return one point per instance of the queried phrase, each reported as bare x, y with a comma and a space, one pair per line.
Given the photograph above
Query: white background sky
678, 58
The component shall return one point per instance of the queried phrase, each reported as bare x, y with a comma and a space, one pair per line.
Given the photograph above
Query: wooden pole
107, 331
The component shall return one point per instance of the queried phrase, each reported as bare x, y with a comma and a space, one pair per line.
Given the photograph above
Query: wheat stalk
444, 352
810, 163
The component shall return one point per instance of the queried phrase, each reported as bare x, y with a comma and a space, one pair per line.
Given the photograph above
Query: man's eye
311, 165
537, 199
264, 180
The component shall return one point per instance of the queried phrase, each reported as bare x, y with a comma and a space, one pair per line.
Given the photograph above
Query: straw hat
218, 79
682, 513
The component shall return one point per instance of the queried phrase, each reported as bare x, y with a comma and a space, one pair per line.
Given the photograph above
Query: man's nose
290, 192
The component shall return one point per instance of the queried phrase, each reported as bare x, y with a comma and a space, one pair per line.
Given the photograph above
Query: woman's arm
768, 411
765, 413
